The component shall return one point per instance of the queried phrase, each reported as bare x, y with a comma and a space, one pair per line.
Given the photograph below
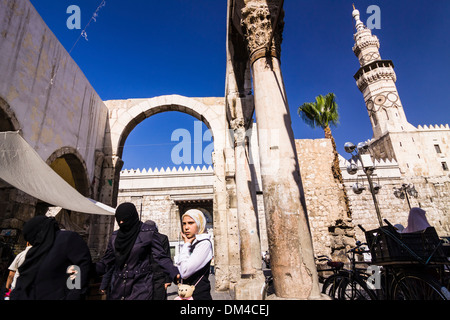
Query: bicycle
413, 265
330, 284
268, 288
355, 284
347, 284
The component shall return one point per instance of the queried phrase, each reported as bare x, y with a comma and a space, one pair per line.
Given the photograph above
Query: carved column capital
258, 19
237, 123
238, 126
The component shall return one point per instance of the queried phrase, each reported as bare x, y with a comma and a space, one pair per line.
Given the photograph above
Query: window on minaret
437, 148
444, 166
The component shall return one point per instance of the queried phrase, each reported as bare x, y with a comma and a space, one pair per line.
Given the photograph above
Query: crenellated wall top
168, 170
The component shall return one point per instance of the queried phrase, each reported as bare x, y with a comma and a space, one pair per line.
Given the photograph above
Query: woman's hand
186, 239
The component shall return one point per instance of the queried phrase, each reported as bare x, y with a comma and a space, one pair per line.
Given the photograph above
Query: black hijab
128, 231
40, 232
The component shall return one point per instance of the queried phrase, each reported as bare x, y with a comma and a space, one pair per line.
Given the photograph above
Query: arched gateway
125, 115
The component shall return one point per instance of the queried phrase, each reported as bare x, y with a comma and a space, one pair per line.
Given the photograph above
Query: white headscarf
198, 217
416, 221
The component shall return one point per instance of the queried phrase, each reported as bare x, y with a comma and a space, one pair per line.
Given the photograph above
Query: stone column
223, 237
252, 278
102, 226
290, 243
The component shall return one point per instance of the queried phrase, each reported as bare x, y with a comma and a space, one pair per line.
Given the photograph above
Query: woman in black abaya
43, 274
128, 256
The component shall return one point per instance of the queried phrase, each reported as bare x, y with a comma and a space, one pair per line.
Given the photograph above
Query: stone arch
125, 115
77, 165
16, 207
70, 165
8, 120
124, 119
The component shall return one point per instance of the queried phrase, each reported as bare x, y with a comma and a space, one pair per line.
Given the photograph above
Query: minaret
376, 79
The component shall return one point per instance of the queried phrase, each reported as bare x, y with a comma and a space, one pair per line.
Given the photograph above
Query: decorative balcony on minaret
376, 80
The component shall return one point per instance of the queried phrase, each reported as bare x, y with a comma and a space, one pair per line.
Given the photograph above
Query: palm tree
323, 113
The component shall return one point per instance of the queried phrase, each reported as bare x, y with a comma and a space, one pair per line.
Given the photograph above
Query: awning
22, 167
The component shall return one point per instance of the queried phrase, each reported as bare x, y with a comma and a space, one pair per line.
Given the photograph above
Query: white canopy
22, 167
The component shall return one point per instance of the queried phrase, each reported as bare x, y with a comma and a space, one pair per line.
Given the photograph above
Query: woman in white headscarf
195, 256
416, 221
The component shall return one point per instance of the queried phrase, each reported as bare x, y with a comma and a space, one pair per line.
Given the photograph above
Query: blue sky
148, 48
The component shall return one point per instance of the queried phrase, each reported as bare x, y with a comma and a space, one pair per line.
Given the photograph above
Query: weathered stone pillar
290, 244
252, 278
102, 226
109, 187
223, 236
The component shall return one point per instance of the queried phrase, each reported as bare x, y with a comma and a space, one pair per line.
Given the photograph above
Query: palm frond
332, 109
309, 114
321, 113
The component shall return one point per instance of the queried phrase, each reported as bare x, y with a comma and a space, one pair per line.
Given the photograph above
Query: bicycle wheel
268, 288
417, 286
355, 289
331, 285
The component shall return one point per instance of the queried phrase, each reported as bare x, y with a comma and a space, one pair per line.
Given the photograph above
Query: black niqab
40, 232
128, 232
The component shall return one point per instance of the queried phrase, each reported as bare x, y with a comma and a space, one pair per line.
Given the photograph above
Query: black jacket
51, 279
160, 278
135, 280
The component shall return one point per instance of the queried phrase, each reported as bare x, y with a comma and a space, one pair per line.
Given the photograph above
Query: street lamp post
404, 191
359, 153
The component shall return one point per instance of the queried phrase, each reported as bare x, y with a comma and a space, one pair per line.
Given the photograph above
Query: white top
19, 259
189, 263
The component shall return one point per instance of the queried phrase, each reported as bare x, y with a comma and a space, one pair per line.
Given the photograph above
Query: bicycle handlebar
388, 223
358, 248
385, 220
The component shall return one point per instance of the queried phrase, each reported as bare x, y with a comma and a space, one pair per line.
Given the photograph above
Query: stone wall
418, 152
331, 229
160, 209
51, 98
159, 191
433, 197
46, 96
